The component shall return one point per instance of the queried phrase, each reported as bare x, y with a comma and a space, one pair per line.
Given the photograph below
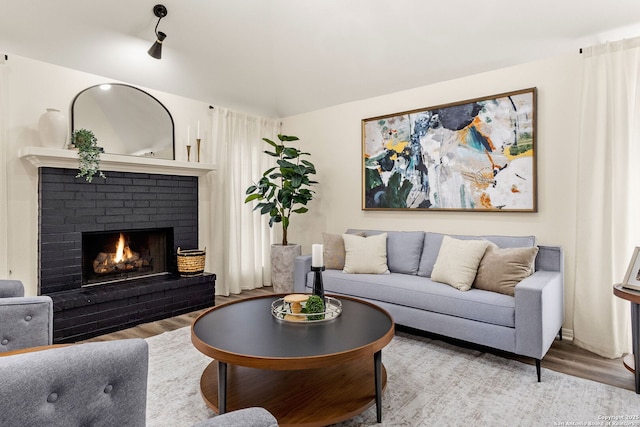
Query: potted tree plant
88, 153
282, 191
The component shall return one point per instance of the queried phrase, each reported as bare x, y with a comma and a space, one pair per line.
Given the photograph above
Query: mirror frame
173, 127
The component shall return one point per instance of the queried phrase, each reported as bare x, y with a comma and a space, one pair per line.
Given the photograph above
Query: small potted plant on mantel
88, 154
282, 191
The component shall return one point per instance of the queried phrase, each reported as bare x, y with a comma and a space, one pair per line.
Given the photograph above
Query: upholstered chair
91, 384
24, 321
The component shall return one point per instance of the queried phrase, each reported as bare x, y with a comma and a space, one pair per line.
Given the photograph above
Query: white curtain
4, 130
608, 197
241, 237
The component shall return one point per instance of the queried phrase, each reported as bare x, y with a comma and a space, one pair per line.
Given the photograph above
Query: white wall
333, 136
34, 86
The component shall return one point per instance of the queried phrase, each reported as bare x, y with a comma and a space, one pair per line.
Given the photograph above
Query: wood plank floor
563, 356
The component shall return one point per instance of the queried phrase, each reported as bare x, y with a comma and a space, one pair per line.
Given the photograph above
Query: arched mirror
125, 120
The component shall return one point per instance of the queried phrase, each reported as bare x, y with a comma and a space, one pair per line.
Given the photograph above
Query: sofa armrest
539, 312
254, 417
302, 266
11, 288
25, 322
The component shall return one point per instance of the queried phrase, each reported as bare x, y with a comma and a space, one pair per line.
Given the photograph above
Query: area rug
429, 383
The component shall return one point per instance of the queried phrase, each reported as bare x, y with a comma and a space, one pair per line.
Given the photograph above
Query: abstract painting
474, 155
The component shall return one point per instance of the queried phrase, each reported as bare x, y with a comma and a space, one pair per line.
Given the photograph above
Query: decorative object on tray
317, 266
473, 155
88, 153
304, 308
191, 261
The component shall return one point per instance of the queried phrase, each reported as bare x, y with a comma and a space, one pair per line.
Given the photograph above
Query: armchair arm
11, 288
539, 312
255, 417
302, 266
25, 322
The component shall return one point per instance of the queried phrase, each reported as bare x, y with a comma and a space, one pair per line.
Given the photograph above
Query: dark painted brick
108, 219
118, 196
110, 203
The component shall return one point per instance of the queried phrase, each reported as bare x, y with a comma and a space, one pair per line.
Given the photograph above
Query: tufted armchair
24, 321
92, 384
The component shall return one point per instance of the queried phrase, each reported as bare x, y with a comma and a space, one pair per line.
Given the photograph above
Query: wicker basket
191, 261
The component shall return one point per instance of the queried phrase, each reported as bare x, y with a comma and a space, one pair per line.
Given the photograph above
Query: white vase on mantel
53, 129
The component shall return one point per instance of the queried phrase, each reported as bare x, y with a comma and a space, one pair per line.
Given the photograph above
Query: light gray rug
429, 383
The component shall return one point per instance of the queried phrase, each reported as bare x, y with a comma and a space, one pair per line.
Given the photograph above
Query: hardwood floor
563, 356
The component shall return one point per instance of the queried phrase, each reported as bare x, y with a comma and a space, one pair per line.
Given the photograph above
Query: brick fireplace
79, 225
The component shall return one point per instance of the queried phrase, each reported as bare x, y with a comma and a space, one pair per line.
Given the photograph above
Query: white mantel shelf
68, 159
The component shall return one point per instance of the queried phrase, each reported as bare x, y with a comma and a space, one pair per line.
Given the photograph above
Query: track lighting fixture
156, 49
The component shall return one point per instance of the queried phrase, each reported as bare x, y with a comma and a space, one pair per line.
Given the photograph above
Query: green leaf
285, 164
251, 189
268, 171
296, 181
267, 208
288, 138
290, 153
301, 210
270, 142
253, 197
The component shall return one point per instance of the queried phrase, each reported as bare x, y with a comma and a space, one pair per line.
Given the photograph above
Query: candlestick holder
198, 147
188, 153
318, 286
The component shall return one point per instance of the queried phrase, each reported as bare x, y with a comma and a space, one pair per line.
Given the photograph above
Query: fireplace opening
122, 255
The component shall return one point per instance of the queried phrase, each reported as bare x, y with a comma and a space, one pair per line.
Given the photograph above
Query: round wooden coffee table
310, 374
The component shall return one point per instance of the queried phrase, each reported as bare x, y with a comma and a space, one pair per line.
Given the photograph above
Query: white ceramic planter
282, 267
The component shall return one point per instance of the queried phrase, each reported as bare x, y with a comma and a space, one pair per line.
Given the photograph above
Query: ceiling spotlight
156, 49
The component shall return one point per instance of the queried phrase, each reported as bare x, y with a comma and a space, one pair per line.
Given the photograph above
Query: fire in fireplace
122, 260
123, 255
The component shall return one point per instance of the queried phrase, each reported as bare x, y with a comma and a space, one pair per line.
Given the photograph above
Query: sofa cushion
404, 249
333, 252
424, 294
432, 242
365, 255
458, 262
501, 269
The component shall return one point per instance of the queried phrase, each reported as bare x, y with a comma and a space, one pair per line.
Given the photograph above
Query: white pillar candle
316, 255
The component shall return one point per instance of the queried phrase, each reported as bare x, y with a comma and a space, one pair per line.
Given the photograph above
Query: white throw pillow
365, 255
458, 262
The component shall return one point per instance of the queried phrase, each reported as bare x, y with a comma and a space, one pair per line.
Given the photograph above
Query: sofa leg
560, 334
538, 368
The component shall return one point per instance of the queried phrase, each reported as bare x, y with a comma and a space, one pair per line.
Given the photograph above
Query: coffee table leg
377, 367
222, 388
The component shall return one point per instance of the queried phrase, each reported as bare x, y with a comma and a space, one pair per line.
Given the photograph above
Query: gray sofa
525, 324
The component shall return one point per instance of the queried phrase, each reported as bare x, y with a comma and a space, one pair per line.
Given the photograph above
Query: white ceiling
283, 57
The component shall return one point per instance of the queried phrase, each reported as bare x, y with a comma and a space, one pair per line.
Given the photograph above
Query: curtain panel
608, 201
241, 237
4, 143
